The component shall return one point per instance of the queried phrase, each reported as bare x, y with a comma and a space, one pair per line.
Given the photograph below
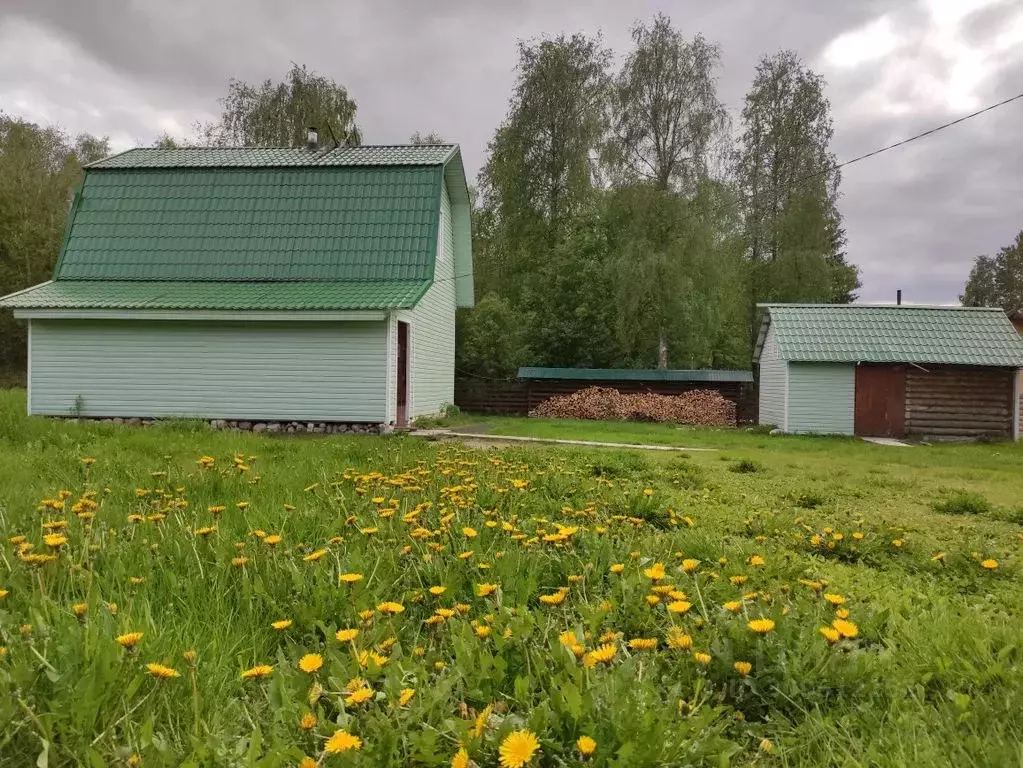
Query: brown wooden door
880, 401
402, 374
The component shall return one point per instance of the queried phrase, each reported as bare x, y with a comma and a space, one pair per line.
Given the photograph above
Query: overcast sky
916, 216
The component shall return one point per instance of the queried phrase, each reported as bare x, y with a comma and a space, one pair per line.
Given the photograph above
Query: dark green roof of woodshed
233, 228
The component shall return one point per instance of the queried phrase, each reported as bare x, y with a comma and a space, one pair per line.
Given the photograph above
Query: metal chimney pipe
312, 139
898, 297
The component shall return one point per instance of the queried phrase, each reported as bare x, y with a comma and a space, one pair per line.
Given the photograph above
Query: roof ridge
949, 307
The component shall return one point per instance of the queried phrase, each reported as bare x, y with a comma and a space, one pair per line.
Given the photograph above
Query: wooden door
402, 374
880, 401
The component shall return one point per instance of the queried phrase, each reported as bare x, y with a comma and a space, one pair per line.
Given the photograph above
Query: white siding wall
773, 383
822, 398
327, 371
433, 330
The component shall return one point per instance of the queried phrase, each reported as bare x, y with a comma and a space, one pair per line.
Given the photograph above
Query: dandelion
761, 626
359, 696
238, 562
518, 748
556, 598
272, 540
617, 568
989, 564
78, 609
482, 631
312, 557
655, 572
342, 741
834, 599
679, 606
346, 635
586, 746
310, 663
162, 672
282, 624
689, 565
485, 590
939, 557
766, 746
648, 492
603, 654
260, 670
308, 721
189, 656
841, 613
756, 560
129, 640
897, 543
390, 608
54, 540
406, 696
205, 531
703, 659
643, 643
830, 634
350, 578
679, 640
242, 505
733, 606
469, 533
845, 628
438, 591
743, 668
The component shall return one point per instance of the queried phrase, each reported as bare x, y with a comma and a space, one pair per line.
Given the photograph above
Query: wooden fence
519, 396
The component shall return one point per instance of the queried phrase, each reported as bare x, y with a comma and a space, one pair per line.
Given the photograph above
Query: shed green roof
280, 157
858, 333
635, 374
184, 295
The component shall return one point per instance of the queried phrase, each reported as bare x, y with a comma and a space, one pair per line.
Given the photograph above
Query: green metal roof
279, 157
857, 333
255, 224
636, 374
183, 295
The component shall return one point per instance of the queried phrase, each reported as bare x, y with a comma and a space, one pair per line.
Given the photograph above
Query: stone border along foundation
271, 427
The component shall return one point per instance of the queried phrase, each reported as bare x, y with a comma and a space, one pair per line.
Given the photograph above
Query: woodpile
704, 407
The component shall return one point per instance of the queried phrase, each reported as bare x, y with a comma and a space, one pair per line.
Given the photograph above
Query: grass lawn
390, 601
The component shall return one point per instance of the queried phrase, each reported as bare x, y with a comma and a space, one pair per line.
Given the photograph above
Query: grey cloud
914, 217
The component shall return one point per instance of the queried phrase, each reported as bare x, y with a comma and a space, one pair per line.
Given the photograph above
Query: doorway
402, 373
880, 401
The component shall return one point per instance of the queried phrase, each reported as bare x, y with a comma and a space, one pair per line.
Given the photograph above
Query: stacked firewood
704, 407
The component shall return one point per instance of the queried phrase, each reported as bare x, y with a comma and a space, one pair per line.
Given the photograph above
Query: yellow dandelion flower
160, 671
359, 696
238, 562
655, 572
367, 615
54, 540
310, 663
603, 654
679, 607
350, 578
482, 631
743, 668
485, 590
617, 568
757, 560
586, 746
841, 613
761, 626
406, 696
390, 608
308, 721
482, 719
679, 640
556, 598
733, 606
346, 635
260, 670
312, 557
643, 643
766, 746
830, 634
703, 659
78, 609
438, 591
272, 540
461, 759
129, 640
282, 624
834, 599
469, 533
689, 565
648, 492
988, 565
845, 628
736, 581
342, 741
518, 748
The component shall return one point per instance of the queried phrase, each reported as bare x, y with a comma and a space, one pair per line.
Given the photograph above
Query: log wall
959, 402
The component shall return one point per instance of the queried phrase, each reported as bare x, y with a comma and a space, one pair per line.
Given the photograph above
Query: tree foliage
997, 281
39, 170
278, 114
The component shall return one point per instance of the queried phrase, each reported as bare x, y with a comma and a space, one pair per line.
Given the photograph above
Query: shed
889, 371
257, 284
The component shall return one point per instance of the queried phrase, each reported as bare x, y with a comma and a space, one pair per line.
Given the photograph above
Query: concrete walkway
886, 441
449, 433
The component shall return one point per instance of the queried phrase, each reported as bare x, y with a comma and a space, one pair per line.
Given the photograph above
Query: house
1017, 320
889, 371
257, 284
